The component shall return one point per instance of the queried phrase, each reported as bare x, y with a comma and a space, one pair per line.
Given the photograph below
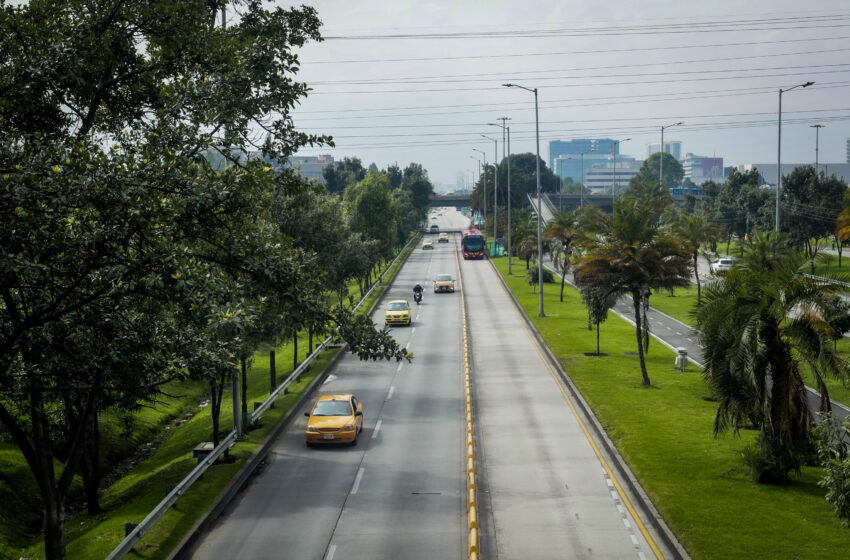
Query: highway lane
401, 491
549, 494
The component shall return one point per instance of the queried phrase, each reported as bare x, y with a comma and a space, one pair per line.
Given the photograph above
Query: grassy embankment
134, 495
697, 481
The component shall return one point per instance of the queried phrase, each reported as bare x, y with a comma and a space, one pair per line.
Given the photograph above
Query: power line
570, 53
616, 119
573, 85
466, 77
772, 24
650, 97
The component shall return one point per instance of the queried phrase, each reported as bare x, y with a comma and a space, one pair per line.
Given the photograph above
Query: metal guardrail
828, 280
139, 531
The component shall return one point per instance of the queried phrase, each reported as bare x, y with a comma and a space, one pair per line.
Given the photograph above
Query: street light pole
484, 155
581, 192
495, 188
817, 128
539, 201
507, 130
479, 168
661, 158
779, 150
614, 184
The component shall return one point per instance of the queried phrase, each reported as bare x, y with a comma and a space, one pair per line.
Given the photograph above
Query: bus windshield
473, 242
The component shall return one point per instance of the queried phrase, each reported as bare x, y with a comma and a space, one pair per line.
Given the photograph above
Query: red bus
472, 244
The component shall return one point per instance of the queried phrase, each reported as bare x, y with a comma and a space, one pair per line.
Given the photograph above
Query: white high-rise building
674, 148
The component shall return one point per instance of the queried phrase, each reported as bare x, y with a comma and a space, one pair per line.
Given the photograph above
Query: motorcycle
417, 297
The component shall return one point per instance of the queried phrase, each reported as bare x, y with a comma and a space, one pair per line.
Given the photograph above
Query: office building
700, 169
570, 167
574, 148
674, 148
601, 177
310, 167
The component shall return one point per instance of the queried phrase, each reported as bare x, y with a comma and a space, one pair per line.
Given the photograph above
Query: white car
721, 265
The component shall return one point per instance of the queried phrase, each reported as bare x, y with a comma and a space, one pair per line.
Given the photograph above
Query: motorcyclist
417, 292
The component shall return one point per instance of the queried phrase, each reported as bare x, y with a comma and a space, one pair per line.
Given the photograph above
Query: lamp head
807, 84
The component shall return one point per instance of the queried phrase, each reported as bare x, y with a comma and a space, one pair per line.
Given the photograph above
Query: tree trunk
295, 351
310, 339
215, 408
272, 372
637, 305
244, 392
54, 527
597, 338
563, 278
90, 469
696, 275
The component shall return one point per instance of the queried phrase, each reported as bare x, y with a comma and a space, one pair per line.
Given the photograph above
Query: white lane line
399, 366
390, 394
377, 427
413, 330
331, 552
357, 480
407, 346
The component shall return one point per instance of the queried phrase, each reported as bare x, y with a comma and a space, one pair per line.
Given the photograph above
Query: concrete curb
647, 508
241, 478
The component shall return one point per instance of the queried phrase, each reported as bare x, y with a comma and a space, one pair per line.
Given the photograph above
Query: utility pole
817, 128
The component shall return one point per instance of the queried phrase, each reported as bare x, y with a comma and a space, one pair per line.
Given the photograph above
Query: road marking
677, 332
331, 552
377, 427
390, 394
399, 366
357, 480
413, 330
407, 346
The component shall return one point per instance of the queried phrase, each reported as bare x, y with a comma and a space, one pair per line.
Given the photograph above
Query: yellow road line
473, 540
589, 438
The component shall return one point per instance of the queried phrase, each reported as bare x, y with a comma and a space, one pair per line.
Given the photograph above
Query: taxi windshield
444, 278
397, 306
332, 408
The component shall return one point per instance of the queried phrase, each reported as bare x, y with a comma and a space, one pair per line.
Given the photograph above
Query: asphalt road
550, 495
401, 492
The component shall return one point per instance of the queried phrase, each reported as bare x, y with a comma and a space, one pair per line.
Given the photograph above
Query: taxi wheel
354, 441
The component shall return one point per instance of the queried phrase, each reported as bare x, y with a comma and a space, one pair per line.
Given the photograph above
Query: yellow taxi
444, 283
397, 312
427, 245
334, 419
443, 238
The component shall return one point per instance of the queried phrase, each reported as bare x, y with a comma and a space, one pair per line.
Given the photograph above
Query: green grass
697, 482
135, 495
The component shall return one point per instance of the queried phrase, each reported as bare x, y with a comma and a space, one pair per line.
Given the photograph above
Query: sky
401, 81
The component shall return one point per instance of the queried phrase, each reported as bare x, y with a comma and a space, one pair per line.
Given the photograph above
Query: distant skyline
404, 81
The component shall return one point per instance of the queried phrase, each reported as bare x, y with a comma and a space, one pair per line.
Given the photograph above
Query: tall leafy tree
370, 211
631, 255
761, 324
108, 209
811, 203
415, 181
672, 170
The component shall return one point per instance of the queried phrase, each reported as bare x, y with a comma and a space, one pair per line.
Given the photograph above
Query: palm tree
759, 324
694, 231
570, 231
630, 256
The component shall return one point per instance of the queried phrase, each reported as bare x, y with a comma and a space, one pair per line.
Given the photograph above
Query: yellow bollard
473, 542
472, 518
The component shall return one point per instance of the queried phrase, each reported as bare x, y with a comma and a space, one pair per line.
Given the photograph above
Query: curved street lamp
614, 183
495, 187
484, 185
779, 149
539, 201
661, 158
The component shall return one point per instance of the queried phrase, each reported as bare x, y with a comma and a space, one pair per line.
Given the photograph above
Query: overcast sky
401, 81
